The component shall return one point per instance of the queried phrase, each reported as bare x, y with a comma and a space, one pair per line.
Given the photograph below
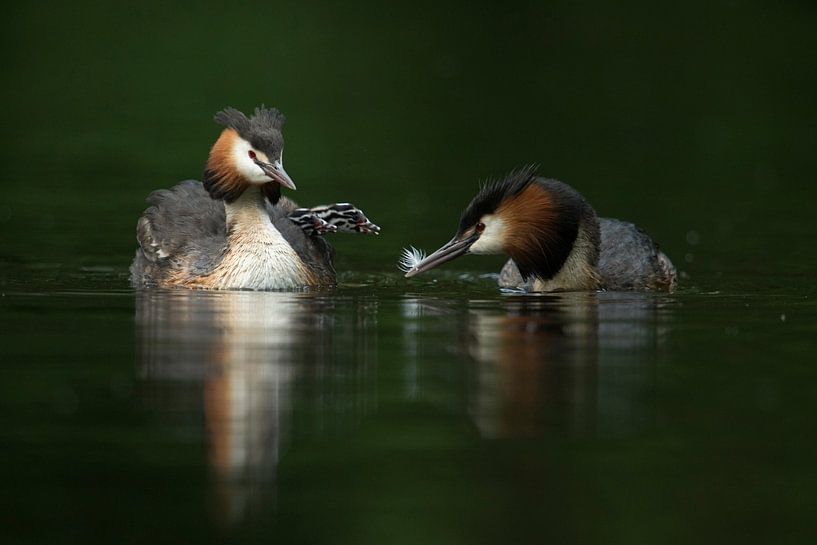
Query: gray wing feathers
183, 229
281, 209
313, 250
629, 259
178, 216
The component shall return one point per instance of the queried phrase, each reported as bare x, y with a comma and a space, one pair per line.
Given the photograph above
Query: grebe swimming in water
554, 239
234, 230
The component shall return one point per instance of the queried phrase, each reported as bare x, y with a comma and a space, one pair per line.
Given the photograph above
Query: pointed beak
451, 250
277, 173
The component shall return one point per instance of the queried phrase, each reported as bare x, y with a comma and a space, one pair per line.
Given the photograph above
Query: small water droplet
782, 317
693, 237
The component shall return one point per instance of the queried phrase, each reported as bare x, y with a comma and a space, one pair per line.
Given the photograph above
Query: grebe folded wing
178, 217
183, 228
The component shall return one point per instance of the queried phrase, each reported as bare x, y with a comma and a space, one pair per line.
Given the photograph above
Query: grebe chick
234, 230
554, 239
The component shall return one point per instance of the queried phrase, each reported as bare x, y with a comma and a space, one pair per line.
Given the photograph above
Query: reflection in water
580, 363
429, 327
238, 358
535, 364
251, 371
576, 362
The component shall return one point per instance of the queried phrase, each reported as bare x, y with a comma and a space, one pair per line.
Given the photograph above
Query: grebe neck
248, 213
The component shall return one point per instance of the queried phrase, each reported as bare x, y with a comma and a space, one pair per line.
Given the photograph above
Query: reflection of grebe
236, 349
554, 240
579, 363
240, 355
536, 365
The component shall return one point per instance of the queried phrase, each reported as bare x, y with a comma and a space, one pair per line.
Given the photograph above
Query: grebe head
534, 221
248, 152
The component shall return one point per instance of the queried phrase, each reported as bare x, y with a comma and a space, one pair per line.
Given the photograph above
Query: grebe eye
480, 227
251, 153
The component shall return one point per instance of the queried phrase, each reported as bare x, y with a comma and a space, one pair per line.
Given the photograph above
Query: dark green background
699, 123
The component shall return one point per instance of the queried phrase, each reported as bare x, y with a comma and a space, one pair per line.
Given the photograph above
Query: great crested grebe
234, 230
554, 239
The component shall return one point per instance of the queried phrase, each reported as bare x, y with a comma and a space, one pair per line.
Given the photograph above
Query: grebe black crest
554, 239
234, 230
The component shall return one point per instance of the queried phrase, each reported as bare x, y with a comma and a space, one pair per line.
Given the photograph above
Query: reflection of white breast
257, 370
232, 359
239, 347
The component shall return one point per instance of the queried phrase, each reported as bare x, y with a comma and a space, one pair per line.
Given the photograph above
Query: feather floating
410, 257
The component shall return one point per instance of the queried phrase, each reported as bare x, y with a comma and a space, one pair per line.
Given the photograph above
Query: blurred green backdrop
696, 118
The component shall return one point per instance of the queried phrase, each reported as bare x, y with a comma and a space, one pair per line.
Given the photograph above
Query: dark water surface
436, 410
378, 413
